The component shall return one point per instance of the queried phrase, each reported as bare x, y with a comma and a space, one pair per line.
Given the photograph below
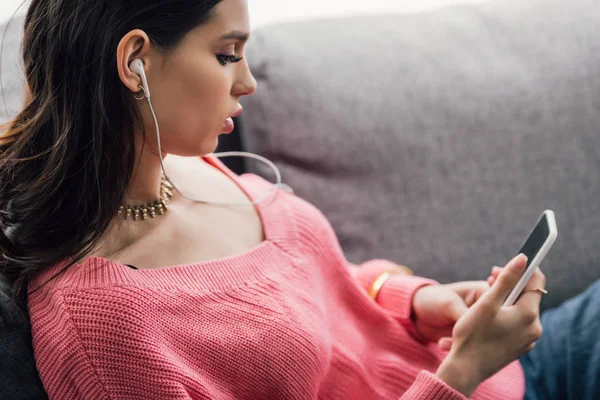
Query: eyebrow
235, 35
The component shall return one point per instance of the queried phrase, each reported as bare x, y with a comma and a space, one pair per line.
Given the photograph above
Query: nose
246, 85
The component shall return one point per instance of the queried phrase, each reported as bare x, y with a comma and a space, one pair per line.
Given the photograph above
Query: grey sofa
434, 140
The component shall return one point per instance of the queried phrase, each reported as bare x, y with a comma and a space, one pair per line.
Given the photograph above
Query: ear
135, 44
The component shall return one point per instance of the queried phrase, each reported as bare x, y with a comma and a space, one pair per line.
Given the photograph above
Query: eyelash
225, 59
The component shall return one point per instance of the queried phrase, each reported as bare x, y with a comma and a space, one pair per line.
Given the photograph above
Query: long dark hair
67, 158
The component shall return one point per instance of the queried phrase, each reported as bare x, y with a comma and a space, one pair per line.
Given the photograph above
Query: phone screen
537, 238
536, 247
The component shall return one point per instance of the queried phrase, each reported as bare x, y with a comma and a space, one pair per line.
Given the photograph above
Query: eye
224, 59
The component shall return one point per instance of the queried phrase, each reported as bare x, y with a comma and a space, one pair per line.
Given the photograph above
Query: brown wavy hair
67, 158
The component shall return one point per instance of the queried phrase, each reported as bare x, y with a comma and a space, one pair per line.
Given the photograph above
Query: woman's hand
436, 308
489, 336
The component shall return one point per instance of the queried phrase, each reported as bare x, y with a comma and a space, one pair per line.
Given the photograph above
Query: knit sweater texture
288, 319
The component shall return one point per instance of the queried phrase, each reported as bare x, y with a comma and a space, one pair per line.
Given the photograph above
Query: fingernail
520, 266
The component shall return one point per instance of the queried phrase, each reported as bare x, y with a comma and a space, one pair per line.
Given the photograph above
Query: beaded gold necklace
151, 209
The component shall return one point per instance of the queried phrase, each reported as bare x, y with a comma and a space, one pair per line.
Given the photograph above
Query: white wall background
8, 7
267, 11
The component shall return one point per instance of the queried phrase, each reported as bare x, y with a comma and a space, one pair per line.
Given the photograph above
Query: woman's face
196, 87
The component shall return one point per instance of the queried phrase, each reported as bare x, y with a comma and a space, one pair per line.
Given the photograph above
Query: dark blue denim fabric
565, 363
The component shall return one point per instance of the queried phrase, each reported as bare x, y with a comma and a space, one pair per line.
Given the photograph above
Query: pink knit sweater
285, 320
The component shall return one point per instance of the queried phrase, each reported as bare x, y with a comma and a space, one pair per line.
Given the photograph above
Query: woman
136, 291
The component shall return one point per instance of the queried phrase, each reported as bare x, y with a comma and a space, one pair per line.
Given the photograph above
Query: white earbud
137, 66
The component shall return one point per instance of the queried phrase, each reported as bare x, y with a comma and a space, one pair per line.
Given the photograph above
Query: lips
228, 125
238, 112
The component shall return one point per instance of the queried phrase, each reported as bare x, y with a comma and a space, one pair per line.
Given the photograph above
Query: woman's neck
145, 183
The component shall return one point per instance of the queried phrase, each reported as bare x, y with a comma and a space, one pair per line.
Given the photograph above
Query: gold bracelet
380, 279
378, 282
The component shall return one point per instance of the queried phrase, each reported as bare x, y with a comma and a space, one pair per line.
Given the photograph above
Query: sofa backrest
436, 140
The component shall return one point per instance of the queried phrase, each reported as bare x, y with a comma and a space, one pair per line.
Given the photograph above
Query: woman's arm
89, 348
397, 293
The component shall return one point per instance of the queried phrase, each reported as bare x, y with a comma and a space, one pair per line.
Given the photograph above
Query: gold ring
542, 291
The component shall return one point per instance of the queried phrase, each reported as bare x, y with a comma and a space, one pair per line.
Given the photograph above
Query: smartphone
535, 247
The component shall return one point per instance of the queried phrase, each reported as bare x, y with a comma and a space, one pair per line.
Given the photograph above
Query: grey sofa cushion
436, 140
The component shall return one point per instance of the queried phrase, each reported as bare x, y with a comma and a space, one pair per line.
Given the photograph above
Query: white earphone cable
276, 186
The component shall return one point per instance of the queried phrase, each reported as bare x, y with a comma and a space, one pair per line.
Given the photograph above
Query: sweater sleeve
396, 297
77, 357
429, 387
63, 363
396, 294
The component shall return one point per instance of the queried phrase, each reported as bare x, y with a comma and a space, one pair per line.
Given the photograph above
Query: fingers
526, 310
456, 309
469, 291
495, 273
465, 288
434, 333
538, 280
529, 347
506, 281
530, 298
445, 343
